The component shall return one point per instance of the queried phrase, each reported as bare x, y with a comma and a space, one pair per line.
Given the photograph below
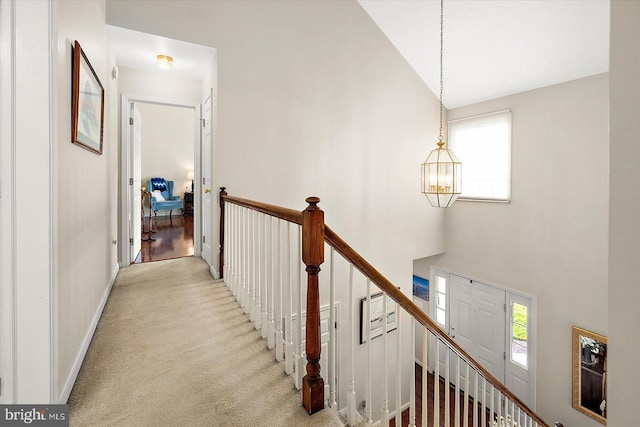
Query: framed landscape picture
377, 315
421, 287
87, 104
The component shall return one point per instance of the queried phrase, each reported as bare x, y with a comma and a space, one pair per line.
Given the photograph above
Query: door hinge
203, 122
504, 355
204, 239
203, 178
131, 121
335, 325
505, 308
130, 181
131, 241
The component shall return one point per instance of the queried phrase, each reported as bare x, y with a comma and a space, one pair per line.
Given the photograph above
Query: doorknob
206, 190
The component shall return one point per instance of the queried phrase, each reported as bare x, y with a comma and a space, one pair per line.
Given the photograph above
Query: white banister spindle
247, 277
241, 264
234, 244
369, 402
265, 279
484, 399
399, 367
254, 267
278, 295
493, 404
384, 412
425, 377
271, 326
499, 407
436, 387
475, 401
412, 376
465, 420
259, 269
352, 415
238, 292
288, 367
456, 418
332, 333
300, 362
447, 389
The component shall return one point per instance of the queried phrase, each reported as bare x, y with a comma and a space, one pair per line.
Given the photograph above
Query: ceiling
494, 48
138, 50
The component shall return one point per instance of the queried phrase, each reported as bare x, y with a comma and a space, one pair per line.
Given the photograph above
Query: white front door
520, 370
478, 324
135, 174
206, 196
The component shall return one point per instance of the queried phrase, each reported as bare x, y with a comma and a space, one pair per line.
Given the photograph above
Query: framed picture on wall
377, 314
421, 287
87, 104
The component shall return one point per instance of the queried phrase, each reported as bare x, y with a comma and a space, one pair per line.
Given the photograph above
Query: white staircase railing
263, 266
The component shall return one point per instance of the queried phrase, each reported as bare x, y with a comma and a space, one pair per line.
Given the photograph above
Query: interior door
477, 316
135, 177
206, 196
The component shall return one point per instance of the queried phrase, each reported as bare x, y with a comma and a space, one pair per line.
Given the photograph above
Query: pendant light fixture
442, 171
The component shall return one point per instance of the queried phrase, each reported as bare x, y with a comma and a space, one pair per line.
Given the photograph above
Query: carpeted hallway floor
173, 348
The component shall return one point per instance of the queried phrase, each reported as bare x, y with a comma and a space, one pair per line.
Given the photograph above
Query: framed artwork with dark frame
590, 374
377, 314
87, 104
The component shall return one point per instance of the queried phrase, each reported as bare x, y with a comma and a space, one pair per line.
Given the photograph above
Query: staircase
264, 252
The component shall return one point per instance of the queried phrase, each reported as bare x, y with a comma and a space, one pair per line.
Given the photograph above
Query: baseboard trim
73, 375
214, 273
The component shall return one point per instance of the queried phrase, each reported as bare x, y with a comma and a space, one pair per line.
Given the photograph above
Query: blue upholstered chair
165, 187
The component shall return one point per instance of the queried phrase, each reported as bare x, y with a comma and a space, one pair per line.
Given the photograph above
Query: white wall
86, 190
624, 245
167, 144
314, 100
158, 84
551, 240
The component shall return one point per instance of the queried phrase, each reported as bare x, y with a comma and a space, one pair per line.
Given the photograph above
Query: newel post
221, 259
313, 256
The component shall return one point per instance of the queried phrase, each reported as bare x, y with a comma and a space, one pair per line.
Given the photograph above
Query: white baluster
232, 264
384, 412
332, 333
425, 377
465, 421
245, 263
457, 395
399, 367
368, 410
288, 367
300, 362
499, 407
436, 387
259, 269
484, 399
493, 405
412, 377
447, 389
241, 244
254, 267
270, 292
265, 279
238, 290
475, 401
352, 415
278, 296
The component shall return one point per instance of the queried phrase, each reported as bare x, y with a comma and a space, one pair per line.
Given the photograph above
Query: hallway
173, 348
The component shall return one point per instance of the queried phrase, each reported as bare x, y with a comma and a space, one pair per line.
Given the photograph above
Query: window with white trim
483, 145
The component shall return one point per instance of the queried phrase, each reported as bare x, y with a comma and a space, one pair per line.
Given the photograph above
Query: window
483, 145
519, 334
441, 300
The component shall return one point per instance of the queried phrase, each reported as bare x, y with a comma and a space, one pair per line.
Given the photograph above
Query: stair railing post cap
313, 200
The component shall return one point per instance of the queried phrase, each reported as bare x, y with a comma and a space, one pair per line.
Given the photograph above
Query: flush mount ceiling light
164, 61
442, 171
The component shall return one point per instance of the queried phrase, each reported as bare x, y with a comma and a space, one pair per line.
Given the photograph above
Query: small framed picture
377, 314
420, 287
87, 104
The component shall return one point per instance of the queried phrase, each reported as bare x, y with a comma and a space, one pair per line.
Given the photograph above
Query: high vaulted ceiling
494, 48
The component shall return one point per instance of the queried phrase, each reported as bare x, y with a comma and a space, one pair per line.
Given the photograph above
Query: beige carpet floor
173, 348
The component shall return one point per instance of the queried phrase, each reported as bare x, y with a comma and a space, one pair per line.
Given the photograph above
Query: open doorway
167, 178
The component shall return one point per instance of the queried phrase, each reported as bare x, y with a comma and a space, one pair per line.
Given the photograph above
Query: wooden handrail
286, 214
343, 248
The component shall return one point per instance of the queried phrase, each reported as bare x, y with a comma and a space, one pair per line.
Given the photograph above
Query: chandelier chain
440, 137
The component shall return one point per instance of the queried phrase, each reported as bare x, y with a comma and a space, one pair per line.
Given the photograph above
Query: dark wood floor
430, 403
173, 238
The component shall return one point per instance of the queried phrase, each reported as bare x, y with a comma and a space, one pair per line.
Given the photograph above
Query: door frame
533, 320
125, 162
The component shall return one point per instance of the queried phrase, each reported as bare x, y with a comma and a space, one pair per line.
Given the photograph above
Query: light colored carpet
173, 348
